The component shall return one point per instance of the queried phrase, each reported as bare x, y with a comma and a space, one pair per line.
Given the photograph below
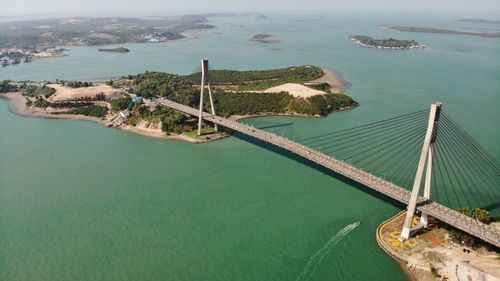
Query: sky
171, 7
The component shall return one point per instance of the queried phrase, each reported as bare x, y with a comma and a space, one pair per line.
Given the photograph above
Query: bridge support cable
484, 164
470, 225
473, 171
205, 78
465, 179
360, 131
430, 139
383, 151
353, 143
364, 127
445, 177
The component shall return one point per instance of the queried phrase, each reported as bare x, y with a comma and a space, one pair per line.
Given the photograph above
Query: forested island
264, 38
390, 43
129, 103
115, 50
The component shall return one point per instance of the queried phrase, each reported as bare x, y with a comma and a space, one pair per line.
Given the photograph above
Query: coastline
16, 105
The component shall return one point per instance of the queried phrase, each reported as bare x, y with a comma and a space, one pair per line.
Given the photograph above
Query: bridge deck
474, 227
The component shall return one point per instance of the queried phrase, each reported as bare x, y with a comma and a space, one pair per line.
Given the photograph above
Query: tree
120, 104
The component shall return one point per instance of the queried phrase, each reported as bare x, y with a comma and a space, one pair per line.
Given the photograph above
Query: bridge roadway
474, 227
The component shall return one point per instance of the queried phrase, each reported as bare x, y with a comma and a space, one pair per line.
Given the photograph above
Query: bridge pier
205, 78
426, 160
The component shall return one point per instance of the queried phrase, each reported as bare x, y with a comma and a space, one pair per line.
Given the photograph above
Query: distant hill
83, 31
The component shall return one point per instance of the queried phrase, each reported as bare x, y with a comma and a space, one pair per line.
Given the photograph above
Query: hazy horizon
60, 8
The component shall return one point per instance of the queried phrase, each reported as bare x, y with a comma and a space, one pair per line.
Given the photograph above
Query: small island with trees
114, 50
390, 43
265, 38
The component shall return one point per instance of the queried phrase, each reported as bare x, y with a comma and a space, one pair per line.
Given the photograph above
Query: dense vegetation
75, 84
183, 89
175, 87
172, 120
120, 104
261, 79
483, 216
90, 110
115, 50
40, 102
34, 91
228, 103
6, 87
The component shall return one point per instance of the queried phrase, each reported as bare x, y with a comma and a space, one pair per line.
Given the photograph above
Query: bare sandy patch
67, 93
296, 90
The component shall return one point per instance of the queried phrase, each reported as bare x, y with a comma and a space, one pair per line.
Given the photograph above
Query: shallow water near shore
83, 202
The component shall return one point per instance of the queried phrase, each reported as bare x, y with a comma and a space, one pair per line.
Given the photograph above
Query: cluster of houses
157, 37
15, 57
125, 114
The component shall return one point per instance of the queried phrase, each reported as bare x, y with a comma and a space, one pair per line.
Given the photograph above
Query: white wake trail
316, 259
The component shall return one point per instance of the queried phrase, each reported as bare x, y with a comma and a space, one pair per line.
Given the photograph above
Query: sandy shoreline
334, 78
17, 104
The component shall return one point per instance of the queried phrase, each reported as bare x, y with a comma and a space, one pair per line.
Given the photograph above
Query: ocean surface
82, 202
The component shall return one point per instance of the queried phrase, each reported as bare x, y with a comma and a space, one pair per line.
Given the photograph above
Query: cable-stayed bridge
384, 156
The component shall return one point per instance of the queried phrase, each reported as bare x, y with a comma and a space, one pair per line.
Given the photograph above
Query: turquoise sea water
83, 202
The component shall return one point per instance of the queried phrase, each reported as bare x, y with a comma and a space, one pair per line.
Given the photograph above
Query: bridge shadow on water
275, 126
318, 167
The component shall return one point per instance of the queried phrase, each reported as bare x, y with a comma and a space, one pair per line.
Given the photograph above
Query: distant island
264, 38
481, 21
391, 43
115, 50
130, 103
408, 28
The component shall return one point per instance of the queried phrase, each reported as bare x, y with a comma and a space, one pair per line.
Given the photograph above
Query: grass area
206, 133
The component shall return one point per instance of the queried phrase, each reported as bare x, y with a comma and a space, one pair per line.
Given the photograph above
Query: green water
84, 202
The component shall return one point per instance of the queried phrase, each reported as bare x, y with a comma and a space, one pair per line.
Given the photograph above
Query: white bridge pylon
425, 163
205, 80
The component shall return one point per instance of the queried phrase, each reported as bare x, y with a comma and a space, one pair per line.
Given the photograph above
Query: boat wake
316, 259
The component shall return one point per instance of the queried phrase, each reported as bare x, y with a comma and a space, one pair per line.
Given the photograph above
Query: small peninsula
441, 252
264, 38
115, 50
391, 43
130, 103
408, 28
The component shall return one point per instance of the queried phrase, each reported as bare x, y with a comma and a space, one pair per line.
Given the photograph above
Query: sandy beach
17, 105
67, 93
334, 78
